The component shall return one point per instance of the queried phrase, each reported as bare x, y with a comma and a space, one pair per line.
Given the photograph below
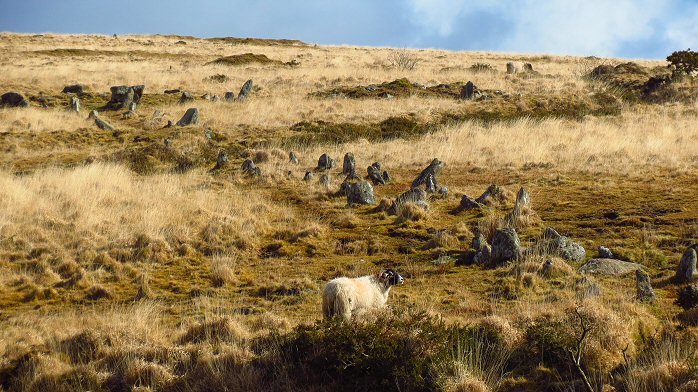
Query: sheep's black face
392, 277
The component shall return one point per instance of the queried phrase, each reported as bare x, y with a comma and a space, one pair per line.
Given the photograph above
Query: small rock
191, 117
349, 164
167, 142
13, 100
547, 268
186, 97
468, 203
492, 192
325, 180
132, 107
245, 90
292, 158
386, 176
361, 193
229, 96
222, 160
250, 169
308, 176
505, 246
605, 253
511, 68
375, 176
386, 95
556, 244
686, 270
443, 191
75, 104
644, 288
484, 255
209, 133
170, 124
73, 89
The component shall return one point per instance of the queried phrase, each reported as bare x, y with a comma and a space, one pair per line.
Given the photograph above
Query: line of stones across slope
429, 176
74, 89
221, 161
348, 164
325, 162
553, 243
250, 169
644, 288
13, 100
360, 193
686, 270
191, 117
415, 196
75, 104
293, 158
122, 96
245, 90
186, 97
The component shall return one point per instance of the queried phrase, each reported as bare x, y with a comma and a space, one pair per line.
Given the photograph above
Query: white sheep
350, 297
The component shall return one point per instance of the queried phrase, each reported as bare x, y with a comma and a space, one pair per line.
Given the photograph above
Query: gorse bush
684, 62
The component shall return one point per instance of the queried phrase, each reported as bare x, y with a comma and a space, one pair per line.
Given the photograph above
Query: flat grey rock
609, 267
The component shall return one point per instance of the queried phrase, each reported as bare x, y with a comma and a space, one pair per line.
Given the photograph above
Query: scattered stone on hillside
428, 176
644, 288
173, 91
511, 68
325, 162
308, 176
468, 203
292, 158
325, 180
610, 267
414, 195
361, 193
122, 96
186, 97
686, 270
245, 90
170, 124
493, 192
505, 246
75, 104
553, 243
528, 67
208, 132
74, 89
523, 201
206, 97
221, 161
191, 117
688, 296
605, 253
99, 122
443, 191
484, 255
547, 268
586, 287
478, 241
374, 175
229, 96
468, 92
250, 169
13, 100
167, 142
343, 189
386, 176
349, 164
386, 95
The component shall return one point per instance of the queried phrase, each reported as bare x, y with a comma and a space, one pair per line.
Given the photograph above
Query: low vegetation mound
258, 41
399, 88
244, 59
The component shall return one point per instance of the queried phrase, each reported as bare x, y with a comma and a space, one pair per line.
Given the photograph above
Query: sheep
349, 297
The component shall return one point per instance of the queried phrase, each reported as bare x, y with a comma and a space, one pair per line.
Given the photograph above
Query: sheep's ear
384, 276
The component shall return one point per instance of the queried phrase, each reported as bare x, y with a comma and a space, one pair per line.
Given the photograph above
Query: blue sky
624, 28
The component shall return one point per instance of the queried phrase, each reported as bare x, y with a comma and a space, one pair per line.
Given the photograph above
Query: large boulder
13, 100
123, 96
428, 176
609, 267
553, 243
191, 117
361, 193
505, 246
686, 270
325, 162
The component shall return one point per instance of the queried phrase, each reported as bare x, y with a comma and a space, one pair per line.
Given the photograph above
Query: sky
649, 29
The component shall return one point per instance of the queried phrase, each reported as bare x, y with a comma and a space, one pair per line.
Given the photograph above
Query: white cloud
440, 15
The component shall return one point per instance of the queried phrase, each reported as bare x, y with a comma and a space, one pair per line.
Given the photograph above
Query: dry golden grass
125, 263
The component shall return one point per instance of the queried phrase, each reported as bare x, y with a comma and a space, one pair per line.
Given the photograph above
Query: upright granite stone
229, 96
221, 161
349, 164
292, 158
374, 175
686, 270
644, 288
325, 162
430, 173
414, 195
191, 117
468, 91
245, 90
250, 169
511, 68
361, 193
